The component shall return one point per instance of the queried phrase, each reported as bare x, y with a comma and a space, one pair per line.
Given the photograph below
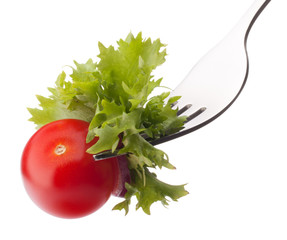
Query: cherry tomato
60, 176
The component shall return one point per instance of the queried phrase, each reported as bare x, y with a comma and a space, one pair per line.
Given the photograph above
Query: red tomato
60, 176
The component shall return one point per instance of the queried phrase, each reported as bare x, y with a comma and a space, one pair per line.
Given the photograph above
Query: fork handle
247, 20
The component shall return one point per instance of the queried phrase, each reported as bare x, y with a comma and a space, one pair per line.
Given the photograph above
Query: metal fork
215, 82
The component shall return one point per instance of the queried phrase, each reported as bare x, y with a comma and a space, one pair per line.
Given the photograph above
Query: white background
235, 167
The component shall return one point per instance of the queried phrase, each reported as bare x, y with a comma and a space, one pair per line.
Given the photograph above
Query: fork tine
173, 104
182, 110
195, 114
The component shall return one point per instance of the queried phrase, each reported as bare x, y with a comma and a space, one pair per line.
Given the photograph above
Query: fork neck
247, 20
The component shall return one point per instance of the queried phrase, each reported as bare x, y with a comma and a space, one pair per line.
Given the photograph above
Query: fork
215, 82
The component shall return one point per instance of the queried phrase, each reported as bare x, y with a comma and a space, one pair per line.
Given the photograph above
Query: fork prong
107, 154
182, 110
195, 114
173, 104
144, 135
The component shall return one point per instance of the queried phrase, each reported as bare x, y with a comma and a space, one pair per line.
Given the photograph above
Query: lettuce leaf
114, 96
149, 191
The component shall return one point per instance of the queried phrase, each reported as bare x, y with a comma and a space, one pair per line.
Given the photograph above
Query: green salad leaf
114, 95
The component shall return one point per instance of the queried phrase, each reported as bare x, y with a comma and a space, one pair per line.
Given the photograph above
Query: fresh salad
103, 105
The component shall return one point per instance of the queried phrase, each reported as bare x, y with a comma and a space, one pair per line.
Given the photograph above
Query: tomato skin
60, 176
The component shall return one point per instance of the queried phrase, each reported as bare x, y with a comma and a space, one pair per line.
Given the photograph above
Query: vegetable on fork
114, 96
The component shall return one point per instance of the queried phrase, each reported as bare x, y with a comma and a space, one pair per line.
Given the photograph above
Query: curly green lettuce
114, 95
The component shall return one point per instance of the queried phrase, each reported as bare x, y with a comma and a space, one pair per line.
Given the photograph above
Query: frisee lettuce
114, 95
